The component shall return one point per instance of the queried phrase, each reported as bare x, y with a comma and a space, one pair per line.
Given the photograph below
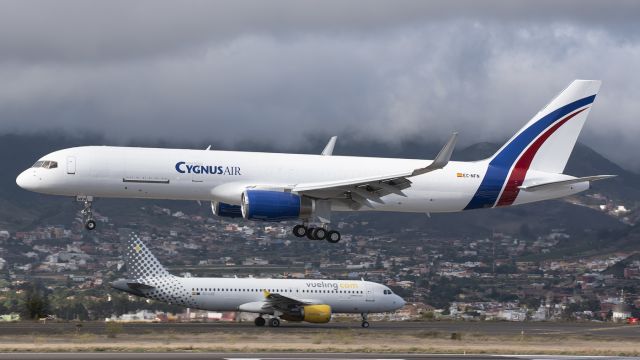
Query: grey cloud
282, 71
82, 30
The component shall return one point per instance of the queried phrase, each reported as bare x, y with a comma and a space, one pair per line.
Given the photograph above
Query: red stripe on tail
522, 165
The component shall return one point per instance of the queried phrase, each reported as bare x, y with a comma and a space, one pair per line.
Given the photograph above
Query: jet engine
317, 314
225, 210
269, 205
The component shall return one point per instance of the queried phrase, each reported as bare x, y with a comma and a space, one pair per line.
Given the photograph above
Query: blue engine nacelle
268, 205
226, 210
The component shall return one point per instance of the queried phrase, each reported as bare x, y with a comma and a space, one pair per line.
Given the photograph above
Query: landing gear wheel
87, 213
274, 322
310, 231
90, 224
365, 323
300, 231
259, 321
319, 233
333, 236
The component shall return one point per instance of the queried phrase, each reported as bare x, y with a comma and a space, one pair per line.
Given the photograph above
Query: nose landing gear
316, 233
365, 323
87, 213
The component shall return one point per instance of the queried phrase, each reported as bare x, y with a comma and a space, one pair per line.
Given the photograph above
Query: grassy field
322, 340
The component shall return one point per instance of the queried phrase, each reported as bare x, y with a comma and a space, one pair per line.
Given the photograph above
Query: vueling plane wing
281, 302
364, 190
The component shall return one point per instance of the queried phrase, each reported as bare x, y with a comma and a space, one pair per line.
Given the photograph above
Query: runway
593, 330
287, 356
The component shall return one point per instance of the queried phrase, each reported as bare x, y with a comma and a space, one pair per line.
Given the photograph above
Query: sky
284, 72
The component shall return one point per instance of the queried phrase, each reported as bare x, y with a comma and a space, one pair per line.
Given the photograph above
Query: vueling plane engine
317, 314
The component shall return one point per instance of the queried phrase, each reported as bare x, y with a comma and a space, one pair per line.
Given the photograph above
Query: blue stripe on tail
499, 167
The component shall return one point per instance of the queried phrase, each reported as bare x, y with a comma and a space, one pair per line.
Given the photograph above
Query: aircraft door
368, 293
71, 164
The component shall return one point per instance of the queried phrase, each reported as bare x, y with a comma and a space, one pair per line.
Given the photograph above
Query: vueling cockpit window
37, 164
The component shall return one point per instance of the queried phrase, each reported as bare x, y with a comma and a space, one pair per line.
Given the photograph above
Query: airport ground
339, 337
288, 356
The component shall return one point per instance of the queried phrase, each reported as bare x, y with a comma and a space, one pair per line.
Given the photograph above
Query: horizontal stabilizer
131, 286
139, 286
552, 184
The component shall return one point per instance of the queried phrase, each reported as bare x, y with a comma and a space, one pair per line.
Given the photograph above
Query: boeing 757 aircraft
312, 301
308, 188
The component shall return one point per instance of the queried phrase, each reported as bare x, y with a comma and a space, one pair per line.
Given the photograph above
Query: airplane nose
400, 301
26, 180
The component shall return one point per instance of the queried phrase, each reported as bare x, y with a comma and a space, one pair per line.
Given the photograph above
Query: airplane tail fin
544, 144
140, 262
546, 141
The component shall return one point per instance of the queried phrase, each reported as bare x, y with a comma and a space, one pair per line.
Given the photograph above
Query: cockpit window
388, 292
45, 164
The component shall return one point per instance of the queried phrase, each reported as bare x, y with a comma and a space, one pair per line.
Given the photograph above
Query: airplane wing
553, 184
365, 190
281, 302
274, 303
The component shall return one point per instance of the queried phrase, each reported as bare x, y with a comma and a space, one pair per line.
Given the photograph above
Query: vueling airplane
312, 301
308, 188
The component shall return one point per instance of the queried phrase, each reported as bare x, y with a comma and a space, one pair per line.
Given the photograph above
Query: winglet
442, 159
328, 149
266, 294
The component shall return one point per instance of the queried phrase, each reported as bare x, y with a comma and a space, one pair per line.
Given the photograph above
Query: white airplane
312, 301
308, 188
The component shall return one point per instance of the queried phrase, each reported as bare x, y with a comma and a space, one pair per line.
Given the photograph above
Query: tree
36, 303
531, 302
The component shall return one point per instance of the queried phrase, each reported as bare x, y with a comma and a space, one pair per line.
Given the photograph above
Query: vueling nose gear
365, 323
316, 233
87, 214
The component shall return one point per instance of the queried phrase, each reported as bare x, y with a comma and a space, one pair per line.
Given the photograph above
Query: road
602, 331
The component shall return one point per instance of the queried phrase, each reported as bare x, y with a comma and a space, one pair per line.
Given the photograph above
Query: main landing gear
365, 323
87, 214
316, 233
260, 321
